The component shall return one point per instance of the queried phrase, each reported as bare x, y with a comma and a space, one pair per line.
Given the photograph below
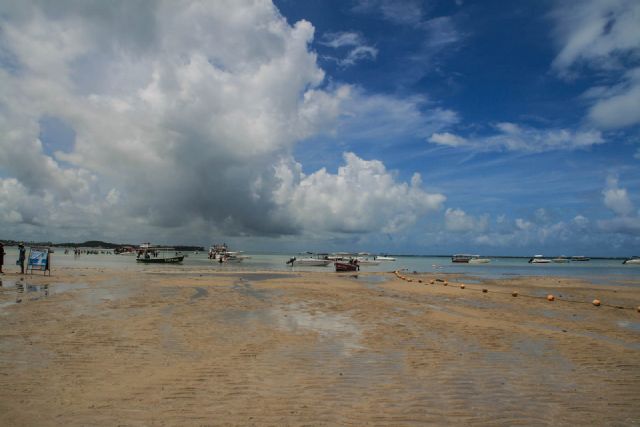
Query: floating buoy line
550, 297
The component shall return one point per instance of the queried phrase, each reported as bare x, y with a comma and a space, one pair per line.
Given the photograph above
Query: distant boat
469, 259
362, 260
309, 261
580, 258
561, 259
539, 259
346, 266
149, 254
475, 259
634, 260
461, 258
384, 258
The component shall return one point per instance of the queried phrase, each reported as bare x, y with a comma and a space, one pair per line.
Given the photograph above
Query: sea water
601, 271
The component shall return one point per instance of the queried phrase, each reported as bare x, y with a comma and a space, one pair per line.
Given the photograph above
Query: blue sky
427, 127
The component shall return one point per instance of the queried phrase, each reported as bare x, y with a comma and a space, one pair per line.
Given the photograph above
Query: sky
394, 126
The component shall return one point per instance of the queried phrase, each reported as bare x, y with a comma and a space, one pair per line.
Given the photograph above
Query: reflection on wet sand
88, 348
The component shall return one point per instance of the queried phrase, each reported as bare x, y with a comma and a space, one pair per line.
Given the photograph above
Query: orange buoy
550, 297
461, 286
514, 294
596, 302
445, 283
485, 290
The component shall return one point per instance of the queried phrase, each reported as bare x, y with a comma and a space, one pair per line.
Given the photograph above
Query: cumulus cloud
180, 110
602, 36
616, 198
513, 137
362, 196
457, 220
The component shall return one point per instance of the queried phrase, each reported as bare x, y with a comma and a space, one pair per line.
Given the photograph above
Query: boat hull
310, 262
479, 261
170, 260
345, 266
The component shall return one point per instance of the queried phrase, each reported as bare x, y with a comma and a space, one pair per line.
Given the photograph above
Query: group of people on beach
22, 255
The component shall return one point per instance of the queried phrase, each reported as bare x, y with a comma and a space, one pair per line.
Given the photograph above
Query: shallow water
599, 271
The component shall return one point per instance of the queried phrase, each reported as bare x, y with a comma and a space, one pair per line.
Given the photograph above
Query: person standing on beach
21, 256
1, 257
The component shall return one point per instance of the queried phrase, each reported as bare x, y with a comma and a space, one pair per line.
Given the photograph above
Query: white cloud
618, 106
362, 196
449, 139
358, 51
513, 137
595, 32
524, 224
457, 220
602, 36
616, 198
180, 112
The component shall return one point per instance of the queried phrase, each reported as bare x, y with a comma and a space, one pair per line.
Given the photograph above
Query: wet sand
104, 347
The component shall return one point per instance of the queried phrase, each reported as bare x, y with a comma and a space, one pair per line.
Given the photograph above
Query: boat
149, 254
539, 259
634, 260
309, 261
366, 261
475, 259
461, 258
384, 258
233, 256
580, 258
347, 266
560, 260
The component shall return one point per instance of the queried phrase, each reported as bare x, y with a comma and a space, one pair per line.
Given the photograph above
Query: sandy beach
96, 346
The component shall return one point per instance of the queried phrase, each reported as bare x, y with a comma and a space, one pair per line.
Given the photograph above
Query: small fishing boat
384, 258
347, 266
461, 258
634, 260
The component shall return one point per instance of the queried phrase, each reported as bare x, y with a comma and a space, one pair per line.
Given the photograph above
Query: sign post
39, 259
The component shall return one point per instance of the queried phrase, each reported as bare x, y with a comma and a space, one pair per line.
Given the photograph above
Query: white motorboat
560, 260
366, 261
309, 262
634, 260
384, 258
539, 259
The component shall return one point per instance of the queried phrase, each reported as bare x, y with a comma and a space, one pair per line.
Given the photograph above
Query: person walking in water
2, 253
21, 256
